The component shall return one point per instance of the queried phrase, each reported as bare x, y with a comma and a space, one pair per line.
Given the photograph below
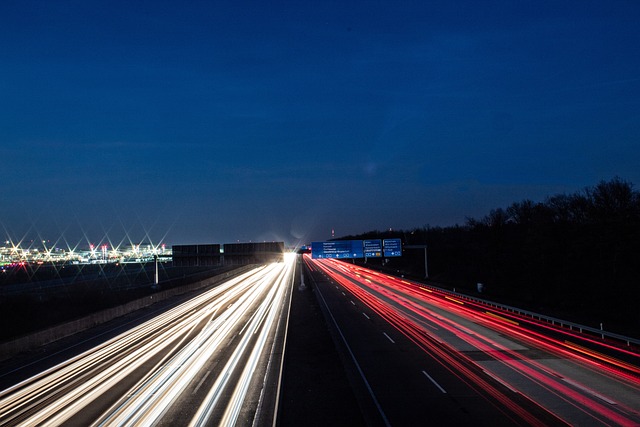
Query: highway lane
213, 352
478, 357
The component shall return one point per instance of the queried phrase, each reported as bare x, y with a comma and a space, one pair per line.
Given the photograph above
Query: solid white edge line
353, 357
284, 348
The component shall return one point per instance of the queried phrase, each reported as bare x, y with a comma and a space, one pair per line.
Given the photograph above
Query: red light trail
438, 322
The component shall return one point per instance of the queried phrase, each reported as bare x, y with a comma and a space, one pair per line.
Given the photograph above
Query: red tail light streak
442, 324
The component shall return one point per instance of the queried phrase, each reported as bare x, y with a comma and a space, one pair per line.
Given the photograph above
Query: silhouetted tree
613, 201
575, 255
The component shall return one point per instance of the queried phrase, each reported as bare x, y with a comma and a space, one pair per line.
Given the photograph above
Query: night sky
202, 122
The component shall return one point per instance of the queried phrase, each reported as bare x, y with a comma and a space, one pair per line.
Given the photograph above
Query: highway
426, 357
214, 357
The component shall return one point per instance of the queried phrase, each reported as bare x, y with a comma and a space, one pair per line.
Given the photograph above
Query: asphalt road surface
337, 345
424, 358
205, 361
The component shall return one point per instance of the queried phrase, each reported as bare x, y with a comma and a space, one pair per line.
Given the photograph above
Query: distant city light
133, 253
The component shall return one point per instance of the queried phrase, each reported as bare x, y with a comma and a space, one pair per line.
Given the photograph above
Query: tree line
576, 256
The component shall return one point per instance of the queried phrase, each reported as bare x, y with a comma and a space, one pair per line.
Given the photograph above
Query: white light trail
183, 339
270, 304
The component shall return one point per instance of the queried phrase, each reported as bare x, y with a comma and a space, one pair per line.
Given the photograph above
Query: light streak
404, 305
273, 299
504, 319
184, 338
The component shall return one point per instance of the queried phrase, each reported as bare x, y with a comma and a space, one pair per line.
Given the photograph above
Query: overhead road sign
337, 249
372, 248
392, 247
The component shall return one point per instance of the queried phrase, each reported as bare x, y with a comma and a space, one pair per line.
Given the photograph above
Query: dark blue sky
227, 120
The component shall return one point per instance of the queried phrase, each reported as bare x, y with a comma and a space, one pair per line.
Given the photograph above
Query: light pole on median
155, 280
426, 269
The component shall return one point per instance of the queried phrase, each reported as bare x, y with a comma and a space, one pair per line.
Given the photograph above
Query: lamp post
155, 281
426, 269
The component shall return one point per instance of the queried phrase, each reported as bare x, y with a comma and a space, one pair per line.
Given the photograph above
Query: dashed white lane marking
434, 382
200, 383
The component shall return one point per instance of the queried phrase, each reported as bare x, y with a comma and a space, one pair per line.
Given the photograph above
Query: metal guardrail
552, 320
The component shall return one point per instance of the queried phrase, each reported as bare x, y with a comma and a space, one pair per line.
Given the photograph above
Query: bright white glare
249, 303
